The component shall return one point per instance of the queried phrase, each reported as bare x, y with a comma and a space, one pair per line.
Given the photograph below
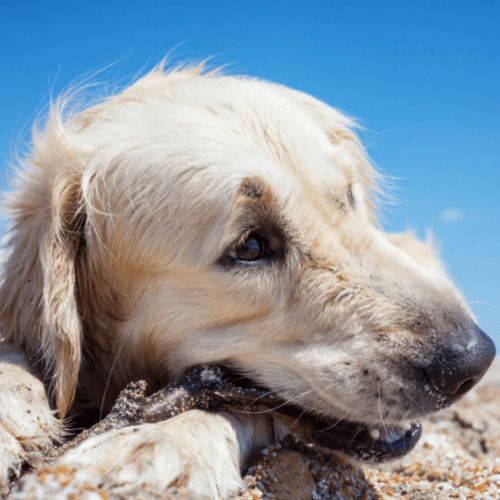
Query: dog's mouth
367, 442
214, 387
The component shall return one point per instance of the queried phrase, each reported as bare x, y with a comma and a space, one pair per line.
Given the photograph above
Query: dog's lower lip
372, 443
367, 442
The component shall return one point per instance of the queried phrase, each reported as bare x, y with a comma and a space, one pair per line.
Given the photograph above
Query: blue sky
423, 78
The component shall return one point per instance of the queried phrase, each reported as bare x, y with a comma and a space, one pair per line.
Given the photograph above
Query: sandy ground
457, 457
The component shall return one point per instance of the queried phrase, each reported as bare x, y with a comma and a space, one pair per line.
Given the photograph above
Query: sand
457, 457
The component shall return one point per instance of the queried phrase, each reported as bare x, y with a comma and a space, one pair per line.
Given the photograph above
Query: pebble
291, 479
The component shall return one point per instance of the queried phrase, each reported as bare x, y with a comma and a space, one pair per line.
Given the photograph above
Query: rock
321, 477
289, 477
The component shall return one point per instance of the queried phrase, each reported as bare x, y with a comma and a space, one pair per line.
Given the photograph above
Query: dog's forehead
275, 133
232, 125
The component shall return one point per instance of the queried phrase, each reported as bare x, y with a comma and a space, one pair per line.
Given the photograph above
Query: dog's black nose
459, 365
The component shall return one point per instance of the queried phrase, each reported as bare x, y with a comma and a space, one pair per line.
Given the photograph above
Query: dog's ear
38, 296
61, 327
424, 253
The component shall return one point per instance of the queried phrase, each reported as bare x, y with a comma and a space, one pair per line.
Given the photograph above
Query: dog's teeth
394, 433
388, 433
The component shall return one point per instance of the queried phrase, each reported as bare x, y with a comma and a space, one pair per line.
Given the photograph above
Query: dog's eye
254, 247
350, 196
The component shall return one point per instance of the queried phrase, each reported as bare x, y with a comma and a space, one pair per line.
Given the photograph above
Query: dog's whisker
333, 424
485, 303
278, 406
297, 419
380, 411
108, 379
416, 403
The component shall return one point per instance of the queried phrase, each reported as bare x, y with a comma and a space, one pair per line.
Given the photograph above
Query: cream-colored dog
201, 218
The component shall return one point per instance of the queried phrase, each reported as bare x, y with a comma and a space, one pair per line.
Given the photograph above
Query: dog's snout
460, 365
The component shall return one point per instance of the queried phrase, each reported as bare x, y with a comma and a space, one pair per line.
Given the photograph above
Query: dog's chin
356, 440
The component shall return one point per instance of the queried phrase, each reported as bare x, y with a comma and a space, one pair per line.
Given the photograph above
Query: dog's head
201, 218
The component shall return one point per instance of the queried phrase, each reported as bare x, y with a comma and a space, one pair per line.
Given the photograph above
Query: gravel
457, 457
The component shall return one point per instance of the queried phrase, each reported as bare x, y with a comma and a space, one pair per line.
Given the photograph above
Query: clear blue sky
423, 77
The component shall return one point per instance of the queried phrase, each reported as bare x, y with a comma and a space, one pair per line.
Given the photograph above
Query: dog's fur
127, 261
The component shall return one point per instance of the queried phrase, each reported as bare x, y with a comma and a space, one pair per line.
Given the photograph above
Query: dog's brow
338, 198
253, 189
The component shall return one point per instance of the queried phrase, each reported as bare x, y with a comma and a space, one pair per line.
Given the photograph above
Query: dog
197, 217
